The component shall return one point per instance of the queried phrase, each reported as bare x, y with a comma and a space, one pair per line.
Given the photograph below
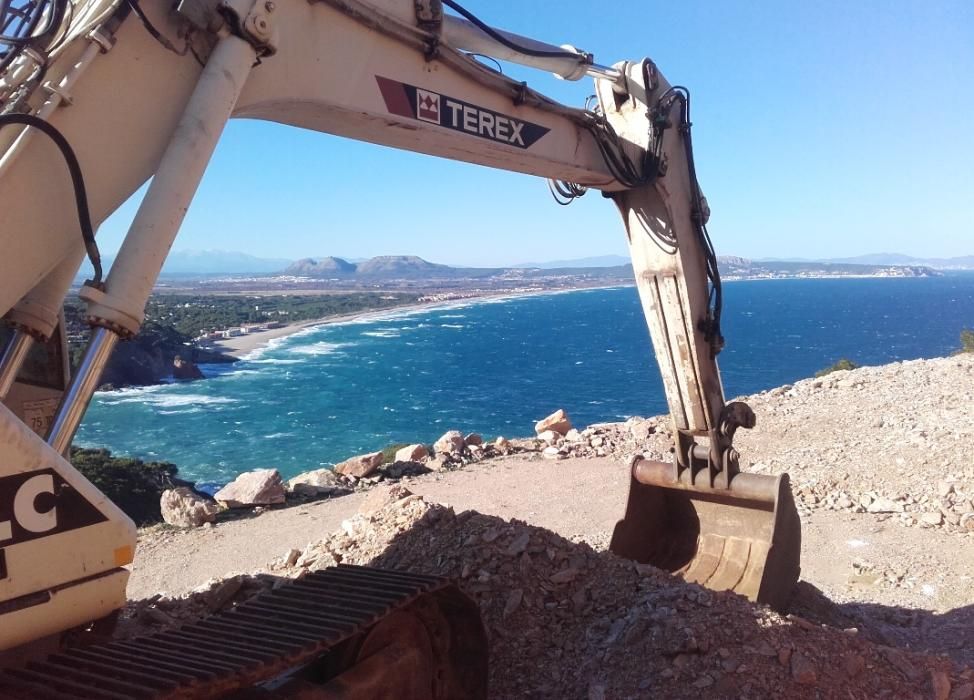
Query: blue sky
821, 129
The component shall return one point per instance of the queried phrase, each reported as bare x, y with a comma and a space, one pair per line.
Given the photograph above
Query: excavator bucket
745, 538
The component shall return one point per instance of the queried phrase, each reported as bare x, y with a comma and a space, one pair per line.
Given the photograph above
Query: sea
495, 366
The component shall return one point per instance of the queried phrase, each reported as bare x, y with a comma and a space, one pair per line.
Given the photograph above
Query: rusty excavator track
348, 632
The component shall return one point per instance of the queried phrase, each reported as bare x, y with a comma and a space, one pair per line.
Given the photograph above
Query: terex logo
40, 504
416, 103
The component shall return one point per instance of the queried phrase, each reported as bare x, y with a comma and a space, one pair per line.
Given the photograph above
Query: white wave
170, 400
383, 333
183, 412
239, 373
453, 316
451, 325
271, 344
319, 348
274, 436
275, 361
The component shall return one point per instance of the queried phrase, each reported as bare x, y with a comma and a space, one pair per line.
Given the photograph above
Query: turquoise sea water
497, 366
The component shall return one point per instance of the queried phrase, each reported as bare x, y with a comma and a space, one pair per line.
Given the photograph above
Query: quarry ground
882, 466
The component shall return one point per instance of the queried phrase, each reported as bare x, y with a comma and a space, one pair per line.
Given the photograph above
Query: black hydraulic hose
77, 179
494, 34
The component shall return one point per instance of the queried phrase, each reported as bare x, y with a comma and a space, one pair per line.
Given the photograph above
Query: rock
379, 497
939, 685
935, 518
967, 521
360, 466
802, 669
473, 439
573, 436
291, 557
259, 487
503, 445
513, 601
564, 576
319, 482
945, 488
439, 462
962, 692
884, 505
450, 441
557, 421
641, 429
221, 594
476, 452
553, 453
412, 453
184, 508
854, 665
184, 369
518, 544
550, 436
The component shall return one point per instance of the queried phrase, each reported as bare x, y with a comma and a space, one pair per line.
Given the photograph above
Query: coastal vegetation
133, 485
842, 364
966, 341
174, 322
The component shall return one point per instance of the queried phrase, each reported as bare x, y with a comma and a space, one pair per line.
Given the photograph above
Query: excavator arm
142, 91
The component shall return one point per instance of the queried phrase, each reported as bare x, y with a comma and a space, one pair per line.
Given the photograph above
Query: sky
821, 129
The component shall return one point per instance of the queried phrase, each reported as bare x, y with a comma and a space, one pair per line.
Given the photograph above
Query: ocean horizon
496, 365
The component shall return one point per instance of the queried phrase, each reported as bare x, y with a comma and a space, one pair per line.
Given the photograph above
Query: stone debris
361, 466
183, 507
557, 421
563, 619
260, 487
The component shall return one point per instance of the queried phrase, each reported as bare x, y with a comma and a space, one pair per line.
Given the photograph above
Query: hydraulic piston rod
467, 36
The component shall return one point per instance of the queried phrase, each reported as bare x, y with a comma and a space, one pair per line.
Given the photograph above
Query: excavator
100, 97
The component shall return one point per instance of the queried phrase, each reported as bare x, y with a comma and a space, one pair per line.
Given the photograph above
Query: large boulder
451, 441
318, 482
184, 369
360, 466
183, 507
412, 453
261, 487
557, 421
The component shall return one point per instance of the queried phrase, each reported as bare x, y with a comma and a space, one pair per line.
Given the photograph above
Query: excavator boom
114, 93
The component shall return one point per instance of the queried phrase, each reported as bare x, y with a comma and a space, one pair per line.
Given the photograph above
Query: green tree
133, 485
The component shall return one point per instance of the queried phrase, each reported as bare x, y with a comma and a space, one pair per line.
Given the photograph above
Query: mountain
219, 262
963, 262
399, 266
597, 261
203, 262
737, 267
321, 267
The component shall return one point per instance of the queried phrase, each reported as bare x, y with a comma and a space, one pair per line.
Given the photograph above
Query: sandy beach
241, 345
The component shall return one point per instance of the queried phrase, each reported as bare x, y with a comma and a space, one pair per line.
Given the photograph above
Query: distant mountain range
222, 262
963, 262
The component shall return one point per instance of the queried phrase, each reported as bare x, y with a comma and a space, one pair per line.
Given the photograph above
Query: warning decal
39, 504
424, 105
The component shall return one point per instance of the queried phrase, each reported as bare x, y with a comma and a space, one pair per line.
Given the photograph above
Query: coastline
242, 345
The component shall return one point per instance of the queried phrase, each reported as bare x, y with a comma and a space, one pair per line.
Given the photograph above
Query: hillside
881, 479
